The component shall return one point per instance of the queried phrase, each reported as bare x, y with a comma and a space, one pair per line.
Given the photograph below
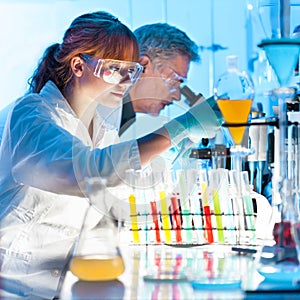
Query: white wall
29, 26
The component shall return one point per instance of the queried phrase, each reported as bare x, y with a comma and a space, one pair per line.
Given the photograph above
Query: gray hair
161, 41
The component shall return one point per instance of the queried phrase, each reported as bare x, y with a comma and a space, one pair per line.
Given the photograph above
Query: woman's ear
77, 66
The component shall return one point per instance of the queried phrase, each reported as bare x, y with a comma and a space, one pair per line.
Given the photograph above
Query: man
166, 53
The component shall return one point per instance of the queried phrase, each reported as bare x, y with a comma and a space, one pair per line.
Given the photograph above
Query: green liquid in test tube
248, 204
227, 206
238, 205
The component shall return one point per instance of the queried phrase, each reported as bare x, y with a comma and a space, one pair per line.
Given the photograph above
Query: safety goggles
116, 71
172, 80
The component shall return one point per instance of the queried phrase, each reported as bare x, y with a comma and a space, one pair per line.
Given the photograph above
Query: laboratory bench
211, 271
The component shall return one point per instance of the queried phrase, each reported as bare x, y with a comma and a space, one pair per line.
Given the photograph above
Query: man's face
158, 87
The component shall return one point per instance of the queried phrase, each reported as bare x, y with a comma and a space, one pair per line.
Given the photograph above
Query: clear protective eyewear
172, 80
117, 71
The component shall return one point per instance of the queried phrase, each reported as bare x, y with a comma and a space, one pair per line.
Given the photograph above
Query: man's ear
77, 66
146, 63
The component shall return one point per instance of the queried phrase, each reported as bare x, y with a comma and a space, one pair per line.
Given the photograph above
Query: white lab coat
45, 155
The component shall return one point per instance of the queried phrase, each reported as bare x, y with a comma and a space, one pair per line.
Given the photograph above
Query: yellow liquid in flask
235, 111
97, 268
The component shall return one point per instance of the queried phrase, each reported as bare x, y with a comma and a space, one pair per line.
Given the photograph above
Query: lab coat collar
55, 97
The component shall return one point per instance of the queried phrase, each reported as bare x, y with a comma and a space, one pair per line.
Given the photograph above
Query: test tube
165, 216
237, 203
227, 207
214, 181
196, 207
208, 234
248, 205
194, 189
155, 221
161, 181
262, 156
132, 205
176, 218
186, 214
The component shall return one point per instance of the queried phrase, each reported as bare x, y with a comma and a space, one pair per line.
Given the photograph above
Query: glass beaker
96, 255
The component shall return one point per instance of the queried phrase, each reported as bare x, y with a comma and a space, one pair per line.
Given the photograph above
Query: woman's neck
83, 107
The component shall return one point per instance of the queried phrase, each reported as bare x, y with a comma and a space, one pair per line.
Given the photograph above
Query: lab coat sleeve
45, 156
3, 116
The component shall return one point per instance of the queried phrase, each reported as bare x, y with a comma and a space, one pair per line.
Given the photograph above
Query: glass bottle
234, 92
97, 256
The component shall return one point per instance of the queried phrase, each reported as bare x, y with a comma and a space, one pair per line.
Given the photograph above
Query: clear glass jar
97, 256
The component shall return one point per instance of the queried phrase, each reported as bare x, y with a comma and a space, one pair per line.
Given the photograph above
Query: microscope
214, 152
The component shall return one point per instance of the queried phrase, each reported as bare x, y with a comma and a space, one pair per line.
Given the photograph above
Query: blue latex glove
200, 121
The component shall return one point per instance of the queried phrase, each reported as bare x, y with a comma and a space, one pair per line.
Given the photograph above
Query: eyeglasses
172, 80
116, 71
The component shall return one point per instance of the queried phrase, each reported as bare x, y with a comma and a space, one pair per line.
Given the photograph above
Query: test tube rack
203, 216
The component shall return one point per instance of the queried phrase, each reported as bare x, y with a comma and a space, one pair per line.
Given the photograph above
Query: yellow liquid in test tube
165, 216
133, 216
97, 268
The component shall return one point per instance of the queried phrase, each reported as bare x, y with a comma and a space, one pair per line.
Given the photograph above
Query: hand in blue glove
201, 121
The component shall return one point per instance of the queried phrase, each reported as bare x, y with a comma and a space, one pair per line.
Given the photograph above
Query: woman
54, 139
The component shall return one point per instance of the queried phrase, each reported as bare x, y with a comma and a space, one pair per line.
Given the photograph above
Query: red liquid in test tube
176, 218
155, 220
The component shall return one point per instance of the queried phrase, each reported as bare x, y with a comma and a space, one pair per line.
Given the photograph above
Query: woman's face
108, 80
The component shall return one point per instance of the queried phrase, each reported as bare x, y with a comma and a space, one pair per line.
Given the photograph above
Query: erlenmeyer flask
97, 256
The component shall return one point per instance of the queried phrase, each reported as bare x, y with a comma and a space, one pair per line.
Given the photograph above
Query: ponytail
46, 70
